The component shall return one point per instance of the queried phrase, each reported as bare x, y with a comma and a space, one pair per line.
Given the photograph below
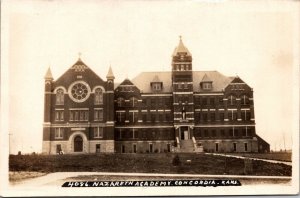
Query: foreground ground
280, 156
144, 163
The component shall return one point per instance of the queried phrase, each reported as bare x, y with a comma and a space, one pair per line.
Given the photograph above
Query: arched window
133, 102
120, 102
98, 96
60, 97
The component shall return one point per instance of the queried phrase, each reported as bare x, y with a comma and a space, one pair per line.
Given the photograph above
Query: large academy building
177, 111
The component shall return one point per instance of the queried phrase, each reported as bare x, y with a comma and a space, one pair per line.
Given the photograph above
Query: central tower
183, 101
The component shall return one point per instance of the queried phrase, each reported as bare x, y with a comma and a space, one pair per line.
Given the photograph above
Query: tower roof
110, 73
48, 75
181, 49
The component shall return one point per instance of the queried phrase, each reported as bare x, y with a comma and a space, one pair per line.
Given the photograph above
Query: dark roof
219, 81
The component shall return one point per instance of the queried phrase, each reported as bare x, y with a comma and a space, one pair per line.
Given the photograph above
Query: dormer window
156, 86
206, 83
207, 86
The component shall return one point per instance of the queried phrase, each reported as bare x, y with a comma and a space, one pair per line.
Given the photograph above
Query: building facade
177, 111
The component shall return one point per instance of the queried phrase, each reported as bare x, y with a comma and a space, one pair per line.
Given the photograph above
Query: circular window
79, 91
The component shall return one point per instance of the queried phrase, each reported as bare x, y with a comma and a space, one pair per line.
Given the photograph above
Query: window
169, 148
59, 115
60, 97
98, 148
98, 132
206, 85
212, 117
212, 101
98, 114
59, 133
185, 86
220, 101
221, 116
204, 101
179, 86
234, 147
120, 117
133, 101
231, 100
150, 147
120, 102
232, 115
244, 100
98, 96
205, 117
133, 117
156, 86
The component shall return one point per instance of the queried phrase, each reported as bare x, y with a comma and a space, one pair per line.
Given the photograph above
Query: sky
256, 40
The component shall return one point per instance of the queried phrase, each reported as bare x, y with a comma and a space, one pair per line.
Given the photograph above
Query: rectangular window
169, 148
221, 117
98, 132
185, 86
59, 133
204, 117
212, 116
150, 147
134, 148
98, 148
221, 101
98, 114
212, 101
222, 133
71, 115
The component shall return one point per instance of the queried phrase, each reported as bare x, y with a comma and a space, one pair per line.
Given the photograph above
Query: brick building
177, 111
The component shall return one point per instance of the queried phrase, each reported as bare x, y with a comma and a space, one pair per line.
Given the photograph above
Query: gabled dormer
206, 83
156, 84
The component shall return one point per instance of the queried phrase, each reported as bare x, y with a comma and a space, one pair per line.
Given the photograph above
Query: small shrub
176, 161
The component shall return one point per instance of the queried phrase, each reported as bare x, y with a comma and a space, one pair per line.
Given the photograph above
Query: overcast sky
256, 40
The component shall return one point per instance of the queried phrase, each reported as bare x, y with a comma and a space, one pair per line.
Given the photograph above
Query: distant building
178, 111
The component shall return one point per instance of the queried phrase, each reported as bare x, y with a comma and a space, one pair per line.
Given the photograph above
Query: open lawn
287, 157
143, 163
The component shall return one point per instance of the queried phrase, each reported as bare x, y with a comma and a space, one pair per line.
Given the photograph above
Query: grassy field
143, 163
287, 157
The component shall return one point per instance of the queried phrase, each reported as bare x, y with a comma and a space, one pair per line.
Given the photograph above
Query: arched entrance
78, 144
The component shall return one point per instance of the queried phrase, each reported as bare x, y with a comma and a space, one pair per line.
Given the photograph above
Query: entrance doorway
184, 133
78, 144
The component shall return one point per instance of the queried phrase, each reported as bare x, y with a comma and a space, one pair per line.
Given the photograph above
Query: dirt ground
16, 176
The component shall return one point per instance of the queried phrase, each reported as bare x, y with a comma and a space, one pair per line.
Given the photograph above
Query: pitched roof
49, 74
181, 49
156, 79
206, 78
143, 80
